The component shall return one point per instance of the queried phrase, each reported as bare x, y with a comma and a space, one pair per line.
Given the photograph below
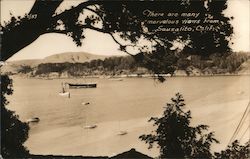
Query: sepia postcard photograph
162, 79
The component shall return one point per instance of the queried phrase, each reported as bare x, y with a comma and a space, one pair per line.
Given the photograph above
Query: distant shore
153, 76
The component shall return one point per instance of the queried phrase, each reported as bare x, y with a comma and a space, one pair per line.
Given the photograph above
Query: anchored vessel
90, 126
82, 85
33, 120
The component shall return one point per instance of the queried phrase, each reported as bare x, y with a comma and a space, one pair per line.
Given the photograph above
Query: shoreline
126, 76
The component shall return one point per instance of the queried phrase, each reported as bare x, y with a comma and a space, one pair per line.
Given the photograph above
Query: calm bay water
123, 105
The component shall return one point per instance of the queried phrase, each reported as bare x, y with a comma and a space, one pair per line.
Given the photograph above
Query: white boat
122, 133
85, 103
64, 94
90, 126
33, 120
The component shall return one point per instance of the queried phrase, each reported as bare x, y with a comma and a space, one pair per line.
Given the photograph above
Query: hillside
71, 57
14, 66
84, 64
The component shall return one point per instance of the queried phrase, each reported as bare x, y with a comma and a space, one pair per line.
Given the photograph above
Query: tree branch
83, 6
45, 8
110, 33
76, 9
57, 31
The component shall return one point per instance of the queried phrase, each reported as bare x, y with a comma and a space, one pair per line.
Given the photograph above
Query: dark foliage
215, 64
24, 69
231, 62
126, 20
127, 65
235, 151
108, 65
13, 132
174, 135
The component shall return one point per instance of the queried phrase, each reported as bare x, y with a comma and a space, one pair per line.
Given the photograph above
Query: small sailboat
122, 133
90, 126
33, 120
63, 92
85, 103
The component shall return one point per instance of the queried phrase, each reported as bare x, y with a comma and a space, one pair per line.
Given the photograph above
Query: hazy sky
98, 43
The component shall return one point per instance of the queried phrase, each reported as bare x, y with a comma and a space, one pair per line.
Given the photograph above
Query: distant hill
14, 66
73, 64
71, 57
30, 62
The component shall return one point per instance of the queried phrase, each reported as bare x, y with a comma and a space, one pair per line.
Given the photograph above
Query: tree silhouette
122, 20
13, 132
235, 151
174, 135
126, 21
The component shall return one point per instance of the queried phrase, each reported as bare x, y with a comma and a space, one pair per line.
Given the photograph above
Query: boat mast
63, 90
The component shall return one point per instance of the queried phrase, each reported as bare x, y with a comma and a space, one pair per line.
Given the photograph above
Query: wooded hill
237, 62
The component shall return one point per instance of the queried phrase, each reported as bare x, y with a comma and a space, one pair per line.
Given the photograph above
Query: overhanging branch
85, 5
76, 9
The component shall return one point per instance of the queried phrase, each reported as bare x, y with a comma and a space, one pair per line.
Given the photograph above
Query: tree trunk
29, 28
